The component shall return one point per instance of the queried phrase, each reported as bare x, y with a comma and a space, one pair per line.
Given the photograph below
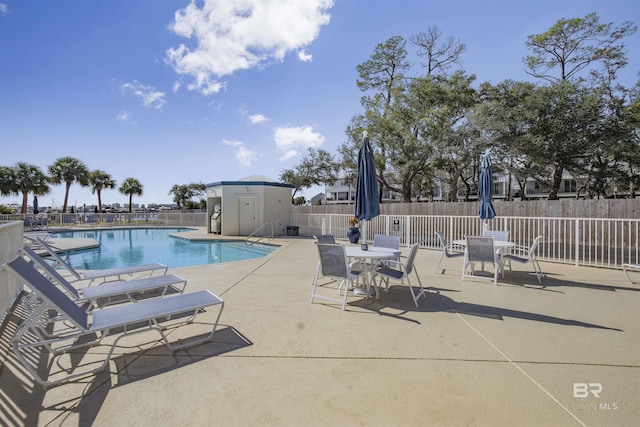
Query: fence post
576, 244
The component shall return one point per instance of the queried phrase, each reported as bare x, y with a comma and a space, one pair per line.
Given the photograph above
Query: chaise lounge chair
104, 274
85, 330
99, 296
631, 267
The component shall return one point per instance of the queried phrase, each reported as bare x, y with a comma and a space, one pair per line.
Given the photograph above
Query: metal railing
249, 243
597, 242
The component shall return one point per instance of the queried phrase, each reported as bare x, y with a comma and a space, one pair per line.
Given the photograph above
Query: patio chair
501, 235
449, 250
402, 272
523, 255
28, 223
325, 238
68, 219
482, 250
386, 241
100, 296
104, 274
333, 264
631, 267
84, 330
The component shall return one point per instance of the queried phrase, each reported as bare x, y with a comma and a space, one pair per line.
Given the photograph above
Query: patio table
370, 258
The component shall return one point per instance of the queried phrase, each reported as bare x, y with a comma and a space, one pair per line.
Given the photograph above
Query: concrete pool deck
470, 354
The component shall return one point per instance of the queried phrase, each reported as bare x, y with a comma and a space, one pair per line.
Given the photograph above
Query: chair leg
439, 261
422, 292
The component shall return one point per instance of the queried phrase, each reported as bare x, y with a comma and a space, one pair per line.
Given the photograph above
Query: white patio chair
631, 267
325, 238
92, 275
100, 296
482, 250
386, 241
449, 250
84, 330
501, 235
401, 271
523, 255
333, 264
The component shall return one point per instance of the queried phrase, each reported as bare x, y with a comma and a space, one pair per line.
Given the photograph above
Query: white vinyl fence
580, 241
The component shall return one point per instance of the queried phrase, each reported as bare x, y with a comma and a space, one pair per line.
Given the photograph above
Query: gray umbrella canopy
35, 205
367, 201
485, 190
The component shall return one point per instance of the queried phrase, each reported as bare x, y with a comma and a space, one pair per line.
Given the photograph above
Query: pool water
133, 246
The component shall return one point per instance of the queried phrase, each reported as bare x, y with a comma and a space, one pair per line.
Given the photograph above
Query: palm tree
7, 180
131, 186
100, 180
29, 179
68, 170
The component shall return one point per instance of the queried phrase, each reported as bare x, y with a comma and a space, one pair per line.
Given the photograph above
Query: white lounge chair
99, 296
85, 330
399, 271
92, 275
631, 267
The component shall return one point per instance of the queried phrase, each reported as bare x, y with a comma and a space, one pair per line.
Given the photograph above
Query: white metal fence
580, 241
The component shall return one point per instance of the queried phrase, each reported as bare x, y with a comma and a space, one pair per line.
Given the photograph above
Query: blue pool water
133, 246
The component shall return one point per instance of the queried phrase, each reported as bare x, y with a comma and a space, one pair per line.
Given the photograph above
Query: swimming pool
133, 246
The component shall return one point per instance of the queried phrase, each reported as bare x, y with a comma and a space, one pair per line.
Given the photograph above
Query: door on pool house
247, 212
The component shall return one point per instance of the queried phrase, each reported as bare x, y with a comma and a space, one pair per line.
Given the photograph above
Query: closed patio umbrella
485, 190
35, 205
367, 204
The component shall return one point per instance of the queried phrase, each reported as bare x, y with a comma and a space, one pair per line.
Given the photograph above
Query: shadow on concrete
398, 302
139, 365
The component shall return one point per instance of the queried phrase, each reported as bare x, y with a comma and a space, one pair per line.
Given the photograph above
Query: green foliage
316, 168
183, 194
68, 170
131, 187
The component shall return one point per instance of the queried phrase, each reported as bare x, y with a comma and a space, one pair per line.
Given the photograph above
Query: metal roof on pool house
251, 180
254, 205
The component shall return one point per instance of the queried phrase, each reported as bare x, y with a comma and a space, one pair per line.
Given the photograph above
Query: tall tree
29, 179
573, 45
100, 180
68, 170
182, 194
131, 187
440, 55
382, 74
7, 181
316, 168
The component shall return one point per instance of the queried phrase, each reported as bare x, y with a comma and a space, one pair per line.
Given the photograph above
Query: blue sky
172, 92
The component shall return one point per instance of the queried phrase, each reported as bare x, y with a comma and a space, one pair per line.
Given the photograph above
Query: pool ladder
249, 243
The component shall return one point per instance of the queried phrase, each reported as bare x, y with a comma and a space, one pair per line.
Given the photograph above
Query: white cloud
304, 56
256, 119
231, 143
244, 155
123, 116
290, 140
4, 9
242, 34
175, 87
149, 96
